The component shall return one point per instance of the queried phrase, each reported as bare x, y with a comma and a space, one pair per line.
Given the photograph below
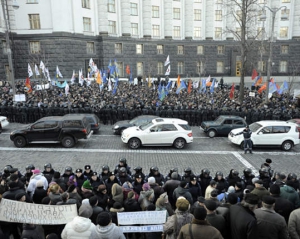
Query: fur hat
182, 204
104, 218
268, 200
85, 211
101, 187
200, 213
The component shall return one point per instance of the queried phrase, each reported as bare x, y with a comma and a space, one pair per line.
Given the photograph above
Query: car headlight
116, 127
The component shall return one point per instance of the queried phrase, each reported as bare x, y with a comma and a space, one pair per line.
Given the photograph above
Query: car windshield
254, 127
133, 121
146, 126
219, 120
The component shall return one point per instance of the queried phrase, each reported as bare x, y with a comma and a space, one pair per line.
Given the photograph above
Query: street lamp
15, 5
263, 17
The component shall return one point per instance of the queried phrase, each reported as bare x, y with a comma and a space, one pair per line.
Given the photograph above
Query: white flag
88, 81
81, 78
47, 75
168, 71
73, 78
195, 84
58, 74
173, 84
208, 79
30, 73
42, 66
109, 85
36, 69
167, 61
67, 88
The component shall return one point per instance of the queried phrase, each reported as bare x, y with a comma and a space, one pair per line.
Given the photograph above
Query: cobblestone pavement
105, 148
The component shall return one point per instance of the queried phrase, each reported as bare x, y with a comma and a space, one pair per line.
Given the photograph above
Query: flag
88, 81
283, 88
231, 94
272, 87
182, 86
212, 86
168, 70
178, 81
109, 84
111, 69
149, 81
73, 78
162, 94
91, 64
116, 69
189, 87
115, 87
30, 73
173, 84
99, 80
167, 61
262, 88
42, 66
104, 77
128, 70
203, 85
27, 85
259, 81
130, 78
169, 85
36, 69
207, 80
195, 84
58, 74
80, 77
47, 74
67, 88
254, 74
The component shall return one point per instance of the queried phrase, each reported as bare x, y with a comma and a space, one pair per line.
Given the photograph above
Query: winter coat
55, 198
96, 211
184, 192
111, 231
171, 230
208, 191
117, 193
283, 206
12, 192
79, 227
76, 197
195, 191
32, 183
169, 187
260, 192
218, 221
290, 193
32, 231
146, 198
131, 205
270, 224
114, 212
39, 194
294, 224
102, 199
158, 190
200, 229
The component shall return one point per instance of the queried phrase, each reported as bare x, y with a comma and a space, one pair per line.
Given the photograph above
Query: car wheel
20, 141
179, 143
287, 145
242, 145
134, 143
68, 142
211, 133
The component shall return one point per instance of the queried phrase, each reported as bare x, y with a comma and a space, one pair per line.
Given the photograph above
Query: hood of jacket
287, 189
81, 224
108, 231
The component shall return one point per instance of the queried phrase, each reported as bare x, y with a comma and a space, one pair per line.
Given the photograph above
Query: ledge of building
229, 38
209, 38
126, 35
168, 37
188, 38
147, 36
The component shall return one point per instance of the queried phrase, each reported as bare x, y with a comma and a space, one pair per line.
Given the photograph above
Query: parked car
296, 121
159, 132
92, 119
269, 133
137, 121
3, 123
66, 130
222, 125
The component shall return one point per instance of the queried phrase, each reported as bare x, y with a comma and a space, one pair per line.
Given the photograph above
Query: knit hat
126, 185
101, 187
19, 196
151, 180
210, 205
56, 175
130, 194
85, 211
275, 189
251, 198
93, 200
160, 202
174, 175
268, 160
146, 186
36, 171
71, 188
87, 185
183, 184
52, 236
103, 219
182, 204
268, 200
231, 189
232, 198
200, 213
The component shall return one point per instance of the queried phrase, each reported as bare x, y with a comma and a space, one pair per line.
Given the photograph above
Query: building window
197, 32
155, 11
139, 68
284, 49
198, 1
180, 50
221, 50
260, 32
261, 66
286, 14
139, 49
261, 1
160, 68
283, 32
32, 1
87, 26
34, 20
197, 14
176, 13
112, 27
180, 67
220, 67
286, 1
283, 66
133, 9
90, 48
111, 5
239, 15
118, 48
238, 32
155, 30
176, 31
160, 49
218, 15
200, 67
35, 47
4, 47
219, 1
134, 29
120, 67
200, 50
218, 33
85, 3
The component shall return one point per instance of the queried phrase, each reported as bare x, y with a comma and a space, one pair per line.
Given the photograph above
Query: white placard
22, 212
144, 217
20, 97
142, 229
252, 94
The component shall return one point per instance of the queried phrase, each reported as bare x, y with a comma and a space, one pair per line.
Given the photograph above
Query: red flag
27, 85
231, 94
128, 70
254, 74
261, 89
189, 87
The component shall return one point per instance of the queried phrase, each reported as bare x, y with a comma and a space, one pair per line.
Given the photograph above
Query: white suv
269, 133
159, 132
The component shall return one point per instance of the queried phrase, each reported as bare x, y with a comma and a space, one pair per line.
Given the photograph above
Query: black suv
64, 129
222, 125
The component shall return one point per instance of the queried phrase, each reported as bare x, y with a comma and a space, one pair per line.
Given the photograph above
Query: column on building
147, 28
125, 18
209, 19
168, 18
103, 17
189, 19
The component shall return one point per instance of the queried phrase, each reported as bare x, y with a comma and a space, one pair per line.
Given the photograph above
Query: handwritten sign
20, 97
21, 212
144, 217
141, 229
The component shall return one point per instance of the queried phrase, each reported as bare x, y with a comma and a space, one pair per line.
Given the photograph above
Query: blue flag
212, 86
284, 87
162, 94
181, 87
130, 78
169, 85
115, 86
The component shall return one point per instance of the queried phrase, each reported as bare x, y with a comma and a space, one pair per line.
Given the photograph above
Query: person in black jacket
195, 189
247, 139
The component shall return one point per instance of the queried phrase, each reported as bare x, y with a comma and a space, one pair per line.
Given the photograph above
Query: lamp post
263, 17
8, 48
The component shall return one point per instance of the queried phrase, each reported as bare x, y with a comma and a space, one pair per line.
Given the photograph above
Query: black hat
210, 205
13, 170
79, 170
268, 200
201, 199
71, 188
268, 161
200, 213
251, 198
103, 218
19, 196
93, 200
232, 198
117, 205
138, 176
111, 174
259, 182
94, 174
275, 189
56, 175
87, 167
183, 184
239, 184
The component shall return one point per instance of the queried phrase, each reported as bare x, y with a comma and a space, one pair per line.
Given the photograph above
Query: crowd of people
128, 101
197, 206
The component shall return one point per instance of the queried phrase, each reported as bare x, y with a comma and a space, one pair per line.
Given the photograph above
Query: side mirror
260, 133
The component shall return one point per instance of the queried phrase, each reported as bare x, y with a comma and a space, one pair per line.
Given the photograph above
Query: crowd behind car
233, 206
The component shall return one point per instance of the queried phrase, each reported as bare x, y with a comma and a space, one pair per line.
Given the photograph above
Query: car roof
169, 120
87, 115
275, 122
230, 116
50, 118
146, 116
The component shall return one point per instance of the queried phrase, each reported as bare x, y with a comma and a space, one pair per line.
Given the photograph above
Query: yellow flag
149, 82
99, 80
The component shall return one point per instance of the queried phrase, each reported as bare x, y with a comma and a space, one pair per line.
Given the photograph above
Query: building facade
200, 36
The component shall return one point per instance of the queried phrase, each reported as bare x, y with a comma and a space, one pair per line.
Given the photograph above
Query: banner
144, 217
22, 212
142, 229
